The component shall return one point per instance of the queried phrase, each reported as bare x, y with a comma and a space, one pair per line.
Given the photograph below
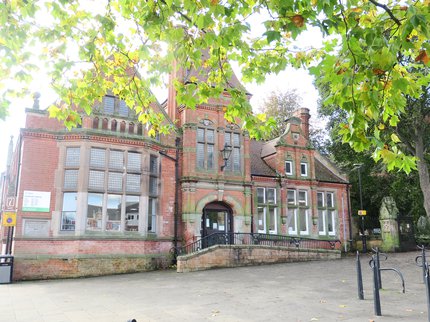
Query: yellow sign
9, 219
362, 212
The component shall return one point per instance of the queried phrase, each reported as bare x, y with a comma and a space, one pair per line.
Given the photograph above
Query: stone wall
246, 255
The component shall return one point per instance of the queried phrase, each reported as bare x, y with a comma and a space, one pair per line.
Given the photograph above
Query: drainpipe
176, 207
348, 203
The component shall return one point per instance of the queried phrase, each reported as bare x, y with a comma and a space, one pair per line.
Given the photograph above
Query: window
234, 162
289, 168
114, 106
298, 212
153, 193
267, 211
205, 148
70, 187
326, 213
303, 169
68, 213
114, 180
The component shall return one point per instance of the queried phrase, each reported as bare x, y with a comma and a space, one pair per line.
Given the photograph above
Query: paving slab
306, 291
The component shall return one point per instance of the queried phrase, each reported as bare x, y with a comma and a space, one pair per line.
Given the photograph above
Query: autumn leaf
378, 71
423, 57
298, 20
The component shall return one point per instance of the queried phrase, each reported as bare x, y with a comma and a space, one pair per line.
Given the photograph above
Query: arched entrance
217, 218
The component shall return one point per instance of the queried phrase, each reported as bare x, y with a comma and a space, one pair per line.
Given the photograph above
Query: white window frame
304, 232
324, 214
333, 218
304, 173
262, 231
290, 163
294, 215
275, 213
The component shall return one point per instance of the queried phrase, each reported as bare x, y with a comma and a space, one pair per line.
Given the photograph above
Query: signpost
362, 212
9, 219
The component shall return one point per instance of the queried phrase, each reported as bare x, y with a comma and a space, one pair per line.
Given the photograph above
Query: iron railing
220, 238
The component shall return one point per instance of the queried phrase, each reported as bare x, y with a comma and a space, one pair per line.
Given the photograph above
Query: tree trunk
423, 172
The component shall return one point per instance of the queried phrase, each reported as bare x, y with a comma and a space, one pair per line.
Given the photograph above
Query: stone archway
217, 217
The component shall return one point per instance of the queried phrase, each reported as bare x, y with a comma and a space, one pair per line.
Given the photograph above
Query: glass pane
132, 213
236, 139
152, 209
71, 179
321, 221
291, 197
292, 225
236, 159
113, 221
69, 201
210, 156
288, 167
108, 104
68, 220
153, 185
210, 135
331, 222
303, 198
272, 220
98, 158
320, 199
133, 162
304, 169
72, 157
330, 200
271, 195
132, 183
94, 211
96, 180
200, 155
260, 195
115, 181
116, 160
227, 138
303, 213
153, 164
123, 109
261, 220
200, 135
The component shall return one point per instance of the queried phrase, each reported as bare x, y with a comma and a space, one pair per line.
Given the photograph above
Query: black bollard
376, 299
427, 282
423, 262
378, 265
359, 278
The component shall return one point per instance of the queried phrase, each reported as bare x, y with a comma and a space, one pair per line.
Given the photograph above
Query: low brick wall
50, 258
46, 267
247, 255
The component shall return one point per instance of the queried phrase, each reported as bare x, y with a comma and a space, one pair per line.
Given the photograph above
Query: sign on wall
9, 219
38, 201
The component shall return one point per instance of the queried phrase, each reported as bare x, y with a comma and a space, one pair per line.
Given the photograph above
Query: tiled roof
258, 166
322, 173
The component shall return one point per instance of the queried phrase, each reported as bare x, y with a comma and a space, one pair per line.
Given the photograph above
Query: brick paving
307, 291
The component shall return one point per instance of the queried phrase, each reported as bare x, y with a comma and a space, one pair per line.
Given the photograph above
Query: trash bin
6, 269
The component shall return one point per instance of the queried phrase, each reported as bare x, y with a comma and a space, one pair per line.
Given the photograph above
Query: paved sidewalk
313, 291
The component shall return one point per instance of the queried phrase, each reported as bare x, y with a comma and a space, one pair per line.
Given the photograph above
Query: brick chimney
303, 114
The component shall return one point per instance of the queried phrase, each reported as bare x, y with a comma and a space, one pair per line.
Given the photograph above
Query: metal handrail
220, 238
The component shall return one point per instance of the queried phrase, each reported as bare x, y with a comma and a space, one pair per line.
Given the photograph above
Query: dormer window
304, 169
289, 168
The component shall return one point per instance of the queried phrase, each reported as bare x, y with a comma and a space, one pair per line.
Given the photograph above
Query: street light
358, 166
226, 152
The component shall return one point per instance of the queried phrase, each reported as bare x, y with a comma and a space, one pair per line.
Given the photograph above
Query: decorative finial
36, 97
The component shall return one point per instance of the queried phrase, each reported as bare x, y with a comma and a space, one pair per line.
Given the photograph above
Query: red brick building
107, 198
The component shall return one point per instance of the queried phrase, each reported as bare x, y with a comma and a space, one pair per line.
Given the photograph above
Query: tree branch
388, 10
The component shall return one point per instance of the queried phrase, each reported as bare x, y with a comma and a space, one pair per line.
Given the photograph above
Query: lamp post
226, 152
363, 236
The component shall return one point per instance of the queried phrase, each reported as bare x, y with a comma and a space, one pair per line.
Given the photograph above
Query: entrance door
216, 219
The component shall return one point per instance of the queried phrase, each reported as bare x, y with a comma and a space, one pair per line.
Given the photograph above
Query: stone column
388, 214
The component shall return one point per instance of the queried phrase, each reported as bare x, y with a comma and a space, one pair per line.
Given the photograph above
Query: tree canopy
375, 56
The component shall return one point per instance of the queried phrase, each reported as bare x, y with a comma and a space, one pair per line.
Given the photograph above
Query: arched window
96, 123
